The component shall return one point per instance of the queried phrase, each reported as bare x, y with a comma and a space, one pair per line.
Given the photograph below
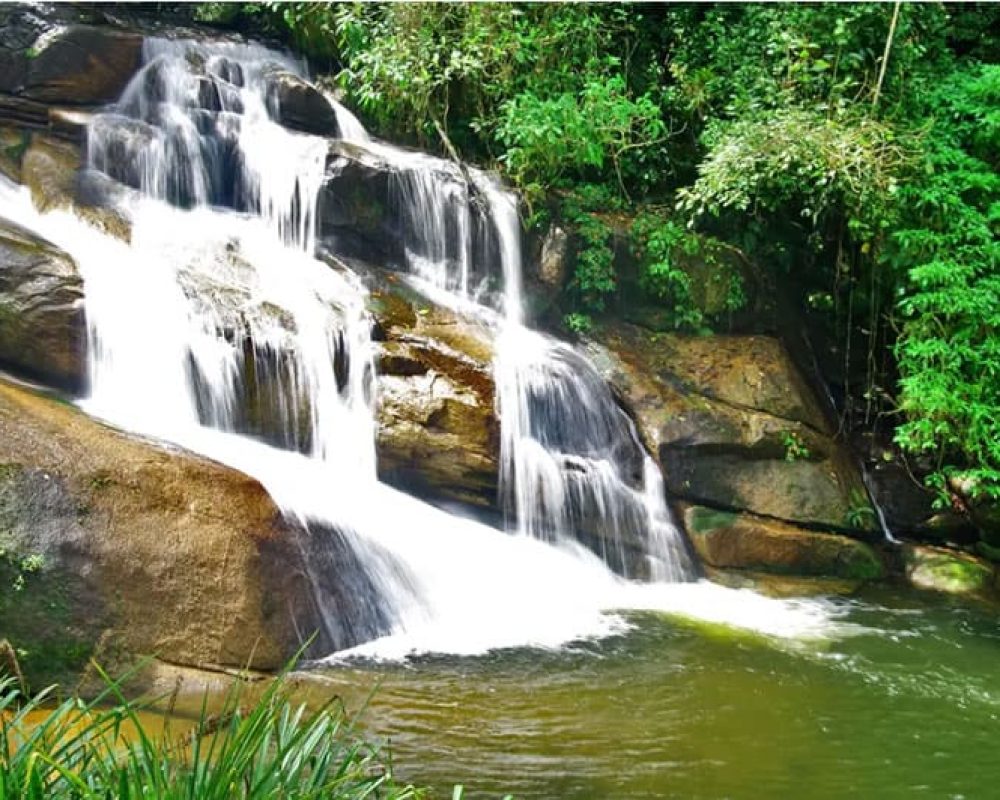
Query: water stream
216, 328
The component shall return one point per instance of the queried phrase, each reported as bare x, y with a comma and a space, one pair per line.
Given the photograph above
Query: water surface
906, 708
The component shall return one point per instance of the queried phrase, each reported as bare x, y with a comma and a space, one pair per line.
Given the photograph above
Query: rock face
438, 433
42, 326
736, 430
128, 548
725, 539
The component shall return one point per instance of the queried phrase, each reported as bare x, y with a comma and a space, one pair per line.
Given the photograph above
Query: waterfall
215, 328
572, 464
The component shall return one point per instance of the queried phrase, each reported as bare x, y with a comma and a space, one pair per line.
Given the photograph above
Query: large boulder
42, 325
735, 427
727, 540
80, 65
299, 105
116, 547
438, 433
356, 218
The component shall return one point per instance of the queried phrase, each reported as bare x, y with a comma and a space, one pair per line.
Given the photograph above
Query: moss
706, 520
988, 551
36, 617
944, 571
858, 561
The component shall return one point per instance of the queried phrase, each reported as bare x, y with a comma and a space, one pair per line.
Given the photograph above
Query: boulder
728, 540
300, 105
438, 434
355, 207
734, 426
42, 325
945, 570
81, 65
118, 547
50, 168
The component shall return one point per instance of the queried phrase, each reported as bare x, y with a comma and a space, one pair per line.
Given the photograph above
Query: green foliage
577, 323
575, 133
947, 251
266, 748
16, 567
739, 60
859, 514
535, 80
801, 159
658, 244
677, 264
594, 279
795, 448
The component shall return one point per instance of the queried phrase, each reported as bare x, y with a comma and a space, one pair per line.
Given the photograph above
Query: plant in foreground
271, 747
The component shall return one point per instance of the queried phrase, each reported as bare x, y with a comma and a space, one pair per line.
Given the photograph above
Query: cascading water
215, 328
572, 466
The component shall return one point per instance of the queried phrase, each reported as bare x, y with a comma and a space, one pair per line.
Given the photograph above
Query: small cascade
572, 466
217, 329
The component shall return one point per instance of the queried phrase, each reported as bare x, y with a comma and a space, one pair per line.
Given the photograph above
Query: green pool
905, 707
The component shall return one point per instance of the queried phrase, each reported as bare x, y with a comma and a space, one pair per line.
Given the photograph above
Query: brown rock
50, 169
42, 326
552, 262
740, 541
143, 550
946, 570
82, 65
734, 425
437, 429
13, 143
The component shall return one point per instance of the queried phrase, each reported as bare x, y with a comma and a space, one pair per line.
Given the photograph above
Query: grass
267, 748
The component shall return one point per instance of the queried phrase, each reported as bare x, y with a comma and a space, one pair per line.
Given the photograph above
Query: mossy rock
946, 570
47, 614
13, 143
728, 540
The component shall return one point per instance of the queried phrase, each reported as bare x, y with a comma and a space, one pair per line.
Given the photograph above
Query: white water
571, 466
170, 316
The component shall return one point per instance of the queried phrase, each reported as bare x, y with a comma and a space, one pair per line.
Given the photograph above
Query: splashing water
215, 328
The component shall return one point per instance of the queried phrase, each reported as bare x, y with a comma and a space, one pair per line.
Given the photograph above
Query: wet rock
81, 65
729, 540
51, 170
552, 261
734, 426
137, 549
947, 570
300, 105
13, 70
355, 207
438, 434
13, 143
19, 111
42, 326
776, 585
